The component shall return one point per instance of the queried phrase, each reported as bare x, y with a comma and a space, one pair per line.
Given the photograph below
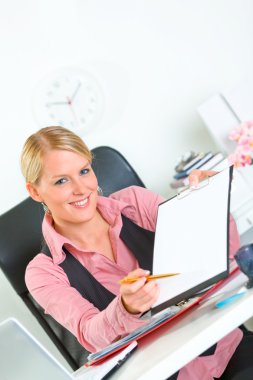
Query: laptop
24, 358
192, 239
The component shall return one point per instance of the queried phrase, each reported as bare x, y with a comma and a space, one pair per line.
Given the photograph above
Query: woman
95, 231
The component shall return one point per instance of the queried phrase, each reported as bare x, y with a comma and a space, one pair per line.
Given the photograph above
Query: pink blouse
94, 329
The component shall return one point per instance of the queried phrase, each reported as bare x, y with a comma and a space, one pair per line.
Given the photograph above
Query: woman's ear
33, 191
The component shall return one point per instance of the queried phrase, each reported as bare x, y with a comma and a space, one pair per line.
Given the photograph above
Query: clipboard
166, 311
168, 315
192, 238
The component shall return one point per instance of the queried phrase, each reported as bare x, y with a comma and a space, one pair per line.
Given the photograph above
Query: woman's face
68, 186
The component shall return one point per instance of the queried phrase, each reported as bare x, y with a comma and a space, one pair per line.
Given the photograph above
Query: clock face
71, 98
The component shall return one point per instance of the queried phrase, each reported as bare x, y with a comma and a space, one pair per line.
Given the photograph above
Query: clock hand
69, 102
75, 92
53, 103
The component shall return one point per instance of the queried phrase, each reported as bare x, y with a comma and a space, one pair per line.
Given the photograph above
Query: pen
118, 364
228, 300
129, 280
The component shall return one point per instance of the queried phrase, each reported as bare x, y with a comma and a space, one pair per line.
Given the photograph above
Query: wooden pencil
129, 280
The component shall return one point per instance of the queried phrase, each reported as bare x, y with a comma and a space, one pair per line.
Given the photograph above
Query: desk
168, 349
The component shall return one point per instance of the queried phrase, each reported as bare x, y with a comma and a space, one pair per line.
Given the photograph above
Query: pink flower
245, 160
235, 134
245, 145
243, 135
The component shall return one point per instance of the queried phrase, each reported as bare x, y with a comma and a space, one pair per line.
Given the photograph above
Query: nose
78, 187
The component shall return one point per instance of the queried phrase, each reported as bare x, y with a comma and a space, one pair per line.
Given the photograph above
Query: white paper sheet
191, 237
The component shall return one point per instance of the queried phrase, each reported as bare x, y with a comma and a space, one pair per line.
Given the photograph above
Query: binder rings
192, 237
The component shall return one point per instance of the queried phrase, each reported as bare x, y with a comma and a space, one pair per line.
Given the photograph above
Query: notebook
192, 238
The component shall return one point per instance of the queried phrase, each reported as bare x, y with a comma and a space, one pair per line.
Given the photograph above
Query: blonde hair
48, 138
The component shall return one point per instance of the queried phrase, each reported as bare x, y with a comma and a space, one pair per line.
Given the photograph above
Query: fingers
131, 288
134, 276
146, 306
198, 175
194, 178
139, 296
147, 295
146, 299
138, 273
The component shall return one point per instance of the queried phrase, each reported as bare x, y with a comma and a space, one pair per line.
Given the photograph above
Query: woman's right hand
139, 296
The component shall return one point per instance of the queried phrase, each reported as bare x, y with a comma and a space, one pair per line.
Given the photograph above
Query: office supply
121, 361
23, 357
213, 198
188, 189
139, 332
189, 164
156, 321
197, 165
210, 164
168, 349
186, 159
226, 301
221, 165
208, 272
129, 280
106, 369
192, 239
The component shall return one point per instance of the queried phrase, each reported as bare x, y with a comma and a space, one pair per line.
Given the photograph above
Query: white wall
156, 61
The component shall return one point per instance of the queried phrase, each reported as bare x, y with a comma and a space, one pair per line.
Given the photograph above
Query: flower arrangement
243, 136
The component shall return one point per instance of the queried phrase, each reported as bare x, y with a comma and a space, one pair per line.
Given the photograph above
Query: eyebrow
65, 175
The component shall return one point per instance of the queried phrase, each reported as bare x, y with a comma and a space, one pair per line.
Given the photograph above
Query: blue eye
60, 181
84, 171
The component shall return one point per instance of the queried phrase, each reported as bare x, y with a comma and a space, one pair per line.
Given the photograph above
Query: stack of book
191, 161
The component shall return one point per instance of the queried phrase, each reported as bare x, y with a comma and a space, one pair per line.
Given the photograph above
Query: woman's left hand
199, 175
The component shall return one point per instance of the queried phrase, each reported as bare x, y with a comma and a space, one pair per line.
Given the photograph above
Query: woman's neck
86, 234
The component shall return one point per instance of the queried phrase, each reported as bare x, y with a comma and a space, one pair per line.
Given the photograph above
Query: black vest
140, 242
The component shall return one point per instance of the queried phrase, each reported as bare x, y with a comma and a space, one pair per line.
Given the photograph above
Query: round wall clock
70, 97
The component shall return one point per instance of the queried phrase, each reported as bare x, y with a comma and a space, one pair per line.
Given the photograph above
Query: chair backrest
20, 241
21, 236
112, 170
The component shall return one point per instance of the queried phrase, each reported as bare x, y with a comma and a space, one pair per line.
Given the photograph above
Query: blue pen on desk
230, 299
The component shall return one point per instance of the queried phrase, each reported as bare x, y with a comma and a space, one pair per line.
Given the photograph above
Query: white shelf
221, 113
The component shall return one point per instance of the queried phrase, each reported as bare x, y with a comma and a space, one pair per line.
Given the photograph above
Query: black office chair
112, 170
20, 241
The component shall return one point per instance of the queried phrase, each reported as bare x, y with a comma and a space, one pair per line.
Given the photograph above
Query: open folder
191, 238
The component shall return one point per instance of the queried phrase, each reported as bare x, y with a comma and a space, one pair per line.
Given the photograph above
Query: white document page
191, 237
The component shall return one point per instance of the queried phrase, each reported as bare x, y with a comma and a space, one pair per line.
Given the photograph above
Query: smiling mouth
81, 203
